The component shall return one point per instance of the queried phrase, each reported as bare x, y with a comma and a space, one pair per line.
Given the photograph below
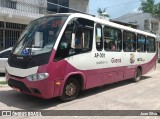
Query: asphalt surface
124, 95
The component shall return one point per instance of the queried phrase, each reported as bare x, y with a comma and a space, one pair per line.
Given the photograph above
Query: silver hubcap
70, 89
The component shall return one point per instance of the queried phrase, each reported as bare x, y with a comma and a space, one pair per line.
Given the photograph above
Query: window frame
117, 29
134, 44
68, 51
141, 43
101, 40
154, 45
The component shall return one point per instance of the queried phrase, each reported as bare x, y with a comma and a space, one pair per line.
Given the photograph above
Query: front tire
138, 75
70, 90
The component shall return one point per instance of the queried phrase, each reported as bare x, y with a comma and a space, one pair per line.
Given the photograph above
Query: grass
3, 82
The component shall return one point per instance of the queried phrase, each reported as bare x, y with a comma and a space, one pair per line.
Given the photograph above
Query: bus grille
17, 84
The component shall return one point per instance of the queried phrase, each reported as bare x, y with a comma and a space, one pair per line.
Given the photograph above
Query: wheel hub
70, 89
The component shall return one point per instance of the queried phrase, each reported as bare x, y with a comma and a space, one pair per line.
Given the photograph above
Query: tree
149, 6
157, 10
102, 12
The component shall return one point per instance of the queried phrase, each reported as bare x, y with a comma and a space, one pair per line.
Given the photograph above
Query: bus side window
129, 41
113, 39
150, 42
99, 39
84, 44
88, 36
82, 40
64, 45
141, 43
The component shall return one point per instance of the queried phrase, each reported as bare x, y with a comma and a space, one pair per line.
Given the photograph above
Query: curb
3, 85
6, 85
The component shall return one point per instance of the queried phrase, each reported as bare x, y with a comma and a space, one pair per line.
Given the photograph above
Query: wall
81, 5
139, 19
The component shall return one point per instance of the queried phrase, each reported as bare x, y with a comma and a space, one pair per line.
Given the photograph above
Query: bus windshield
40, 36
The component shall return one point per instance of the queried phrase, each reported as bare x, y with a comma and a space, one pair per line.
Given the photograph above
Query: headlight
37, 77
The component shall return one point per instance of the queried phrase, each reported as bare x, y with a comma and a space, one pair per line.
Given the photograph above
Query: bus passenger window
129, 41
141, 43
150, 42
83, 39
87, 38
99, 40
112, 39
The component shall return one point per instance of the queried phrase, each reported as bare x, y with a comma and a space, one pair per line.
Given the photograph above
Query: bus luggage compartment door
109, 77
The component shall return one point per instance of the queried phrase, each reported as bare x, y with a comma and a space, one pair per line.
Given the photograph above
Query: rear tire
70, 90
138, 75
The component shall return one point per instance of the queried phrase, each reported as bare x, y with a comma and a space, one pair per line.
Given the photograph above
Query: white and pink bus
61, 54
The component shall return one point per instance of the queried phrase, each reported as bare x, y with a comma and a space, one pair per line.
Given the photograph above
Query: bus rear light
37, 77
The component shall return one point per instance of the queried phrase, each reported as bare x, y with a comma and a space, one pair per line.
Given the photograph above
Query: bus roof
112, 24
105, 22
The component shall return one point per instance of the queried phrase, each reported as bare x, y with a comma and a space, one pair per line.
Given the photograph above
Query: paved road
125, 95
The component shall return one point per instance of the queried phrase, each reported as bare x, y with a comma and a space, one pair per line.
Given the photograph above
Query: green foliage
157, 10
149, 6
3, 82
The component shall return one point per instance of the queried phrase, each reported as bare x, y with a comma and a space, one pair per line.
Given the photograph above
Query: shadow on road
22, 101
108, 87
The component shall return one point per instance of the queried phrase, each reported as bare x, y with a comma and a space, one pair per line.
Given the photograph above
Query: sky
115, 8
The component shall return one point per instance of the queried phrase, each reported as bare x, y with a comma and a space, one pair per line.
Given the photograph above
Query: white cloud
135, 10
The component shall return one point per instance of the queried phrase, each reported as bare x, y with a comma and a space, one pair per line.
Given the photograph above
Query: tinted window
112, 39
150, 42
129, 41
141, 43
83, 39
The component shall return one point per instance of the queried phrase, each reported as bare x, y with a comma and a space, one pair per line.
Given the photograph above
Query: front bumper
43, 89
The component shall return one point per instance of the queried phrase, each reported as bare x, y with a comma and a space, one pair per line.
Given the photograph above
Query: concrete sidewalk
158, 64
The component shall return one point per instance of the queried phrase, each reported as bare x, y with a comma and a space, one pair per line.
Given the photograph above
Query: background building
52, 6
16, 14
14, 17
125, 24
65, 6
143, 21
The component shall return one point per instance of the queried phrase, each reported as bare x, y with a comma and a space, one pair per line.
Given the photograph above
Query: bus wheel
70, 90
138, 75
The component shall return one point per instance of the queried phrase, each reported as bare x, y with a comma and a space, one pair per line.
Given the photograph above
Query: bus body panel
21, 72
111, 70
43, 89
91, 77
